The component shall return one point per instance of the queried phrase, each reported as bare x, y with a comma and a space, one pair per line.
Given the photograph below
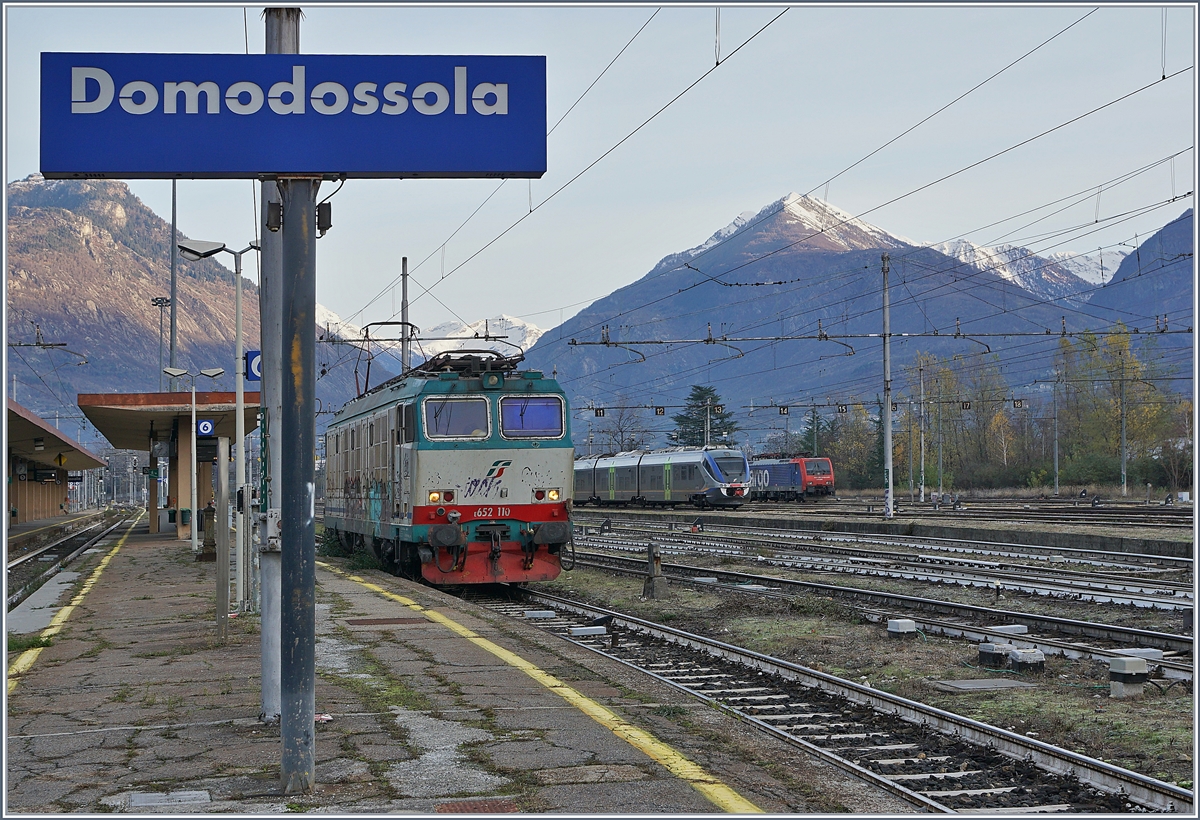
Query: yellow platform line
25, 660
719, 794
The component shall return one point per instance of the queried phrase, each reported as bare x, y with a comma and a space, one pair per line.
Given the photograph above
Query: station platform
47, 527
426, 704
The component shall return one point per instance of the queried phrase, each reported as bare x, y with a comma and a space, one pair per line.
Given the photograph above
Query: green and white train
458, 471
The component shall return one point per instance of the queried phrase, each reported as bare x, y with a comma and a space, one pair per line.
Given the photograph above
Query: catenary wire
496, 190
832, 275
600, 158
976, 87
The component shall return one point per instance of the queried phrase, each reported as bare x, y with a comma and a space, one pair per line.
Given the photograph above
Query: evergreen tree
875, 462
702, 407
815, 430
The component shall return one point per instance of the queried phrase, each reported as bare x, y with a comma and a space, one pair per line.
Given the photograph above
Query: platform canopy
34, 440
131, 420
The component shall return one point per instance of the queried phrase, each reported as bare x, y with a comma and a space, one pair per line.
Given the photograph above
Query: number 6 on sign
205, 427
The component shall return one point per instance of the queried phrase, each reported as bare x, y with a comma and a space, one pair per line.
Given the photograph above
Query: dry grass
1070, 707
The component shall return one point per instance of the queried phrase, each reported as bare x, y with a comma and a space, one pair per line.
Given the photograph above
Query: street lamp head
213, 372
196, 249
176, 372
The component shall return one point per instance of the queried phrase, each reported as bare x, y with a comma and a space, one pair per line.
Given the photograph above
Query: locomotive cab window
817, 466
531, 417
732, 468
408, 423
456, 418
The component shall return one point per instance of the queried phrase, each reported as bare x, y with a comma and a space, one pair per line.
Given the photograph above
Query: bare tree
623, 427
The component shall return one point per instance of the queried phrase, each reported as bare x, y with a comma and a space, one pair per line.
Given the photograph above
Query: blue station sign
160, 116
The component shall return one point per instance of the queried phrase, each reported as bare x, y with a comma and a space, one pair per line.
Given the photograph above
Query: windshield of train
817, 466
456, 418
531, 417
733, 467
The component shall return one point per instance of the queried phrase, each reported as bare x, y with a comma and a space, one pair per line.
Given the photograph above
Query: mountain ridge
85, 258
808, 304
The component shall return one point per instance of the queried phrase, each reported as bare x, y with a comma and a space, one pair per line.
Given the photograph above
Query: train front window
817, 466
531, 417
456, 418
733, 468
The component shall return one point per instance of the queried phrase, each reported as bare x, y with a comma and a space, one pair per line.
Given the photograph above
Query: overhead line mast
887, 396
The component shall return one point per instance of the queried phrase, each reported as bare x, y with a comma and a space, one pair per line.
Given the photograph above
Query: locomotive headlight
553, 495
434, 497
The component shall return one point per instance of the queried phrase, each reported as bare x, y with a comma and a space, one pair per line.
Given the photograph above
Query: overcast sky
815, 92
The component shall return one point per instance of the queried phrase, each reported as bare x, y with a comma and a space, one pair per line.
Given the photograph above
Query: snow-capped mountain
1044, 278
516, 333
332, 324
848, 232
1098, 269
446, 336
803, 222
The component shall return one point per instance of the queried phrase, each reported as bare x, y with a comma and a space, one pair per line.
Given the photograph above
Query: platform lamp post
195, 250
160, 302
179, 373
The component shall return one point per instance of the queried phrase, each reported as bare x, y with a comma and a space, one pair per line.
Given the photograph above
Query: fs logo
497, 469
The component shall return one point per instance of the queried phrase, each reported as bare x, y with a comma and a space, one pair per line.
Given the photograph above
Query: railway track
817, 539
934, 759
1053, 636
27, 571
1134, 585
1106, 513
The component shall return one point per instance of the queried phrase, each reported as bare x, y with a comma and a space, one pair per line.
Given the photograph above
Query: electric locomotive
774, 478
458, 471
702, 476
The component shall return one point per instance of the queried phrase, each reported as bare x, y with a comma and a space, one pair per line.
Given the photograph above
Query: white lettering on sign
366, 103
233, 98
340, 98
149, 97
79, 90
93, 91
498, 92
420, 98
295, 88
191, 97
394, 100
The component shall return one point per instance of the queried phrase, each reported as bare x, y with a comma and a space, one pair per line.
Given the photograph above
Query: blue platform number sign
239, 116
205, 427
253, 365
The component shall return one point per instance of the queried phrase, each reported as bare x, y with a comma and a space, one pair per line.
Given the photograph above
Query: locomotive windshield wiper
438, 408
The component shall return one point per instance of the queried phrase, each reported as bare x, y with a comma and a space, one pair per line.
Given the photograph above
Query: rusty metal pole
297, 490
282, 37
